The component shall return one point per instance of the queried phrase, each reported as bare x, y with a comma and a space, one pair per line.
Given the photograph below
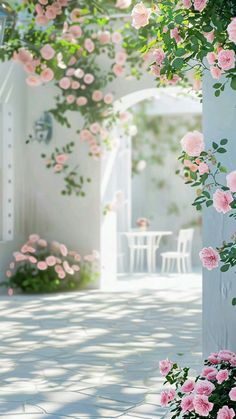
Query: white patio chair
138, 247
181, 257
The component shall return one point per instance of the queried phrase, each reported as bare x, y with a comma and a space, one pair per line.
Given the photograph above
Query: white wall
12, 92
219, 117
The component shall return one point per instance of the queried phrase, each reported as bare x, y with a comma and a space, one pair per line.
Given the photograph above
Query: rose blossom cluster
60, 160
201, 396
220, 61
223, 197
47, 11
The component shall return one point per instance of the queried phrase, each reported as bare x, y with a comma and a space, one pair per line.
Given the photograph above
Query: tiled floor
95, 354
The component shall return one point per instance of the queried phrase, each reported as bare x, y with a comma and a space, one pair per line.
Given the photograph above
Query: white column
219, 316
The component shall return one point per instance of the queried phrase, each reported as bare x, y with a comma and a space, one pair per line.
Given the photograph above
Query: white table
141, 241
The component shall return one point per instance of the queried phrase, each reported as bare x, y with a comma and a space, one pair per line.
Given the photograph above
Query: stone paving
95, 354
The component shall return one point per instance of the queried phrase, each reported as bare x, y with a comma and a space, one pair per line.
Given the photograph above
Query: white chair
181, 257
138, 247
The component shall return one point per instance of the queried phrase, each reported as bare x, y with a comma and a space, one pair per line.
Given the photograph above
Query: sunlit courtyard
95, 354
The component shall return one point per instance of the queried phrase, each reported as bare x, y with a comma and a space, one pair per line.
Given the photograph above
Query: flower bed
211, 394
49, 267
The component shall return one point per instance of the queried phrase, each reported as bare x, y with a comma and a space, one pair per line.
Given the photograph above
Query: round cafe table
141, 242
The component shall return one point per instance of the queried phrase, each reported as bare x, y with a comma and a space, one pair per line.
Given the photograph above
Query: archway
116, 171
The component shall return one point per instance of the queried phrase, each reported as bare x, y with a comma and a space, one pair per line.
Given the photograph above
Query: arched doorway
116, 172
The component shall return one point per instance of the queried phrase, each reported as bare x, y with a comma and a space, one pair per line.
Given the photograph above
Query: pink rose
116, 37
41, 20
203, 168
82, 101
232, 30
213, 359
120, 57
155, 70
187, 4
47, 75
233, 361
61, 158
8, 274
95, 127
193, 143
10, 292
165, 366
89, 45
200, 5
216, 73
79, 73
97, 95
61, 274
193, 167
175, 34
75, 15
88, 78
211, 58
108, 98
51, 12
33, 80
159, 55
232, 394
47, 52
222, 200
58, 168
231, 181
209, 258
187, 404
63, 250
226, 59
164, 400
140, 15
42, 266
210, 36
225, 413
70, 99
118, 70
202, 406
51, 260
104, 37
123, 4
76, 31
64, 83
204, 387
85, 135
75, 85
188, 386
72, 61
34, 238
166, 397
67, 268
226, 355
222, 376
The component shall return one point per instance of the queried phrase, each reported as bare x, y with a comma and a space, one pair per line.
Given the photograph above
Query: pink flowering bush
211, 394
40, 266
202, 32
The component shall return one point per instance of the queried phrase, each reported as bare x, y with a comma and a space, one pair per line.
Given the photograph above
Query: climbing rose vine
195, 35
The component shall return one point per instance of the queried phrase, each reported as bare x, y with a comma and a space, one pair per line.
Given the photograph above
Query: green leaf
221, 150
180, 52
214, 145
225, 268
224, 141
233, 83
178, 63
217, 85
234, 302
209, 203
